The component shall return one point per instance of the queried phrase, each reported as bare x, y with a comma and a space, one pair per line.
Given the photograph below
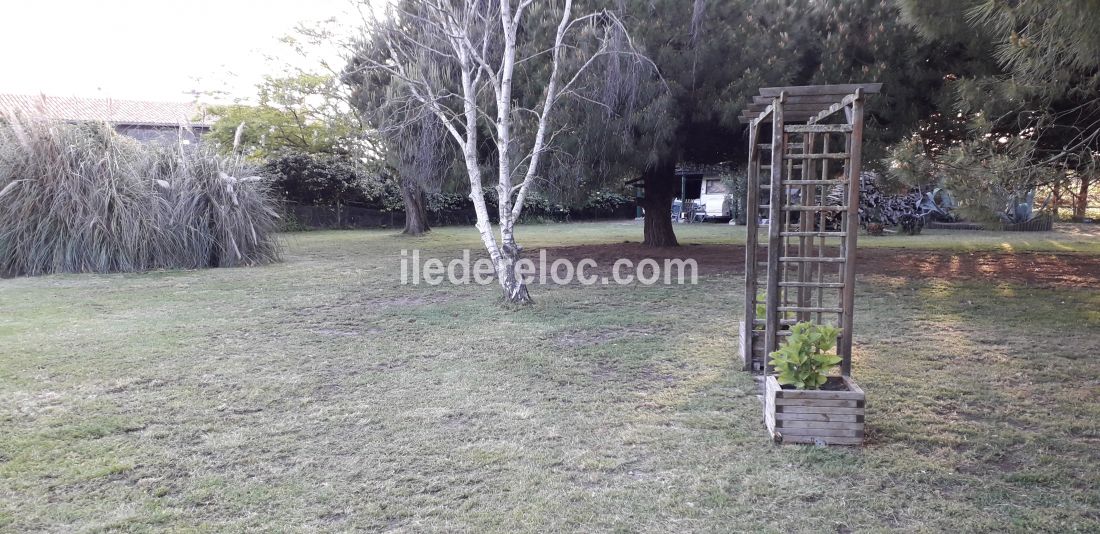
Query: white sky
149, 49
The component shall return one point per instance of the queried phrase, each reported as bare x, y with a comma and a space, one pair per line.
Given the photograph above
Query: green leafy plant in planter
804, 360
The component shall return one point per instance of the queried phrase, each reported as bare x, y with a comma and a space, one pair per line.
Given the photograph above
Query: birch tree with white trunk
456, 60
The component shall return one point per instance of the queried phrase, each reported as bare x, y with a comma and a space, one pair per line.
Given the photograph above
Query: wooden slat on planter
822, 432
834, 410
828, 440
817, 424
847, 418
818, 394
810, 416
818, 402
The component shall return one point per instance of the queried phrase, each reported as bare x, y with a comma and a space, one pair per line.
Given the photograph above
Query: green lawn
1066, 237
320, 394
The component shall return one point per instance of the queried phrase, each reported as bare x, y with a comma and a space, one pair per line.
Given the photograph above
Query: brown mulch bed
1041, 269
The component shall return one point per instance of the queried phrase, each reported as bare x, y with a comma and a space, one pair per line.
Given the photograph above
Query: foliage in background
641, 124
419, 156
455, 208
804, 360
989, 176
300, 113
320, 179
992, 177
855, 41
82, 198
307, 139
737, 183
909, 165
910, 224
1034, 120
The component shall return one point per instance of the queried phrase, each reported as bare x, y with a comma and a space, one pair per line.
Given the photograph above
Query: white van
714, 195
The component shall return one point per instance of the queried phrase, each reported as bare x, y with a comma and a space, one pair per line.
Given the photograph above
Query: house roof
114, 111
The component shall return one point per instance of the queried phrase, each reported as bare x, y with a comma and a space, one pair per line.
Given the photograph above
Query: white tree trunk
463, 32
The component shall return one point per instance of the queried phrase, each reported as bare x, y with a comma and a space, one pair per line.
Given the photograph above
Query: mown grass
1065, 238
321, 394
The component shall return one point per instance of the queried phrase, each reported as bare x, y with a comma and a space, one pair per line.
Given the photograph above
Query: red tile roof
131, 112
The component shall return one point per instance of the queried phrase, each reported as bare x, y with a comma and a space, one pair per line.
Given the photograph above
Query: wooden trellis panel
804, 185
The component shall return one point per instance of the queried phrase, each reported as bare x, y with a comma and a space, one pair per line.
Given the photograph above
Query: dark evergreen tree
708, 58
1040, 106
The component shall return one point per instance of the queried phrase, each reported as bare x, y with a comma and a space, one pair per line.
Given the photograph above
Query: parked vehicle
715, 196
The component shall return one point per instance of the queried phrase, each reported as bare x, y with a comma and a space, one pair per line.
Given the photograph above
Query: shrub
738, 186
318, 179
606, 202
537, 208
803, 361
82, 198
457, 208
911, 224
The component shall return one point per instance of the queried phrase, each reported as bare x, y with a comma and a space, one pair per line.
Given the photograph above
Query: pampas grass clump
82, 198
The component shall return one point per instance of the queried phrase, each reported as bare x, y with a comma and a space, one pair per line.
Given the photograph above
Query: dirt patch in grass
1027, 268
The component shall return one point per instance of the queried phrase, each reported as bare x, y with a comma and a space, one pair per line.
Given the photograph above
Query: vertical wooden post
822, 227
805, 224
848, 296
752, 206
775, 226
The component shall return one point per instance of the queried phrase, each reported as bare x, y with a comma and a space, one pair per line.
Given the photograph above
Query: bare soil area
1040, 269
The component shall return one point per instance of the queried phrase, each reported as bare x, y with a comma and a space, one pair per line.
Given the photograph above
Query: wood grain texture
811, 440
819, 402
818, 128
831, 410
825, 432
820, 394
833, 89
810, 416
817, 424
848, 293
823, 100
841, 417
751, 229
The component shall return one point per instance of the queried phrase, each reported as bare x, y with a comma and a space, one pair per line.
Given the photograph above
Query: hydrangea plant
804, 360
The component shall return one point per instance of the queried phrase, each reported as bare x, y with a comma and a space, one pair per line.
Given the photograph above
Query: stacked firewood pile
877, 207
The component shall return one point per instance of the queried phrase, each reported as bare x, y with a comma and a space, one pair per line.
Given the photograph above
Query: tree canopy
300, 113
1032, 113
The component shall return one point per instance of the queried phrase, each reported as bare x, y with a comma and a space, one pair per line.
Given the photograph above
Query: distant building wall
160, 134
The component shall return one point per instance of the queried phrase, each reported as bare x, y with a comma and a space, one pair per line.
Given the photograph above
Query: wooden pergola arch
805, 194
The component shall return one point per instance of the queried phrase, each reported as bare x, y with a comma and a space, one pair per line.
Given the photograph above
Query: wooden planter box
815, 416
757, 363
